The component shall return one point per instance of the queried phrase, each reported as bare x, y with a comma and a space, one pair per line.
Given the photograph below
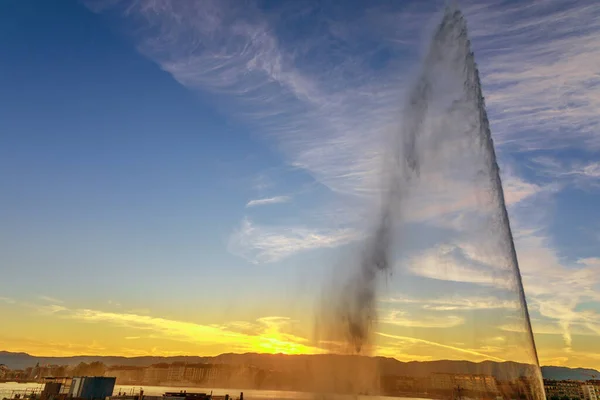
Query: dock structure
101, 388
69, 388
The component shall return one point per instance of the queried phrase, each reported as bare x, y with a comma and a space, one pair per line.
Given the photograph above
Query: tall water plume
441, 172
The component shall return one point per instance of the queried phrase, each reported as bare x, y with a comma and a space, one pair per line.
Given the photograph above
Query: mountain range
291, 363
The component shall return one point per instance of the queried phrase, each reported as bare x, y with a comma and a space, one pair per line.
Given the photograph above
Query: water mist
444, 134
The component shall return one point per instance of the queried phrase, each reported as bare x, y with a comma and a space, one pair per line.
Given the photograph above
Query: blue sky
234, 149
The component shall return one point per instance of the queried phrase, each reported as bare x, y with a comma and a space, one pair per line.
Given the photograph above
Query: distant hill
24, 360
293, 363
564, 373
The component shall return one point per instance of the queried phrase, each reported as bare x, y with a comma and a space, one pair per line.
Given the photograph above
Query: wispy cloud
268, 200
50, 308
455, 349
330, 106
400, 318
229, 50
261, 243
556, 289
114, 303
7, 300
545, 327
579, 173
295, 93
538, 67
49, 347
464, 302
453, 263
50, 299
267, 334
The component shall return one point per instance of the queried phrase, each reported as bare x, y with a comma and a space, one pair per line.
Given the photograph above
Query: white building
589, 392
176, 372
3, 371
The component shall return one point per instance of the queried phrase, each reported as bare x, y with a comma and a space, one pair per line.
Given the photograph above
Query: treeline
95, 368
39, 372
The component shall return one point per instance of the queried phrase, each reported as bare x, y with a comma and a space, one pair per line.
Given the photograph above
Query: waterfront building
589, 391
176, 372
198, 372
156, 374
395, 384
561, 389
596, 385
126, 375
478, 383
3, 371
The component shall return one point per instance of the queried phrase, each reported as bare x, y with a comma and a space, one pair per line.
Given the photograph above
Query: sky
194, 177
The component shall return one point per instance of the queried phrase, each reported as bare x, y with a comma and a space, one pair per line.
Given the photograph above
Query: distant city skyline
183, 178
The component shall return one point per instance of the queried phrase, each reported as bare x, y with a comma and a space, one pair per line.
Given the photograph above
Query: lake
7, 388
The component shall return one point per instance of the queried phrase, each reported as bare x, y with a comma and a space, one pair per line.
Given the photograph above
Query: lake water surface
7, 388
